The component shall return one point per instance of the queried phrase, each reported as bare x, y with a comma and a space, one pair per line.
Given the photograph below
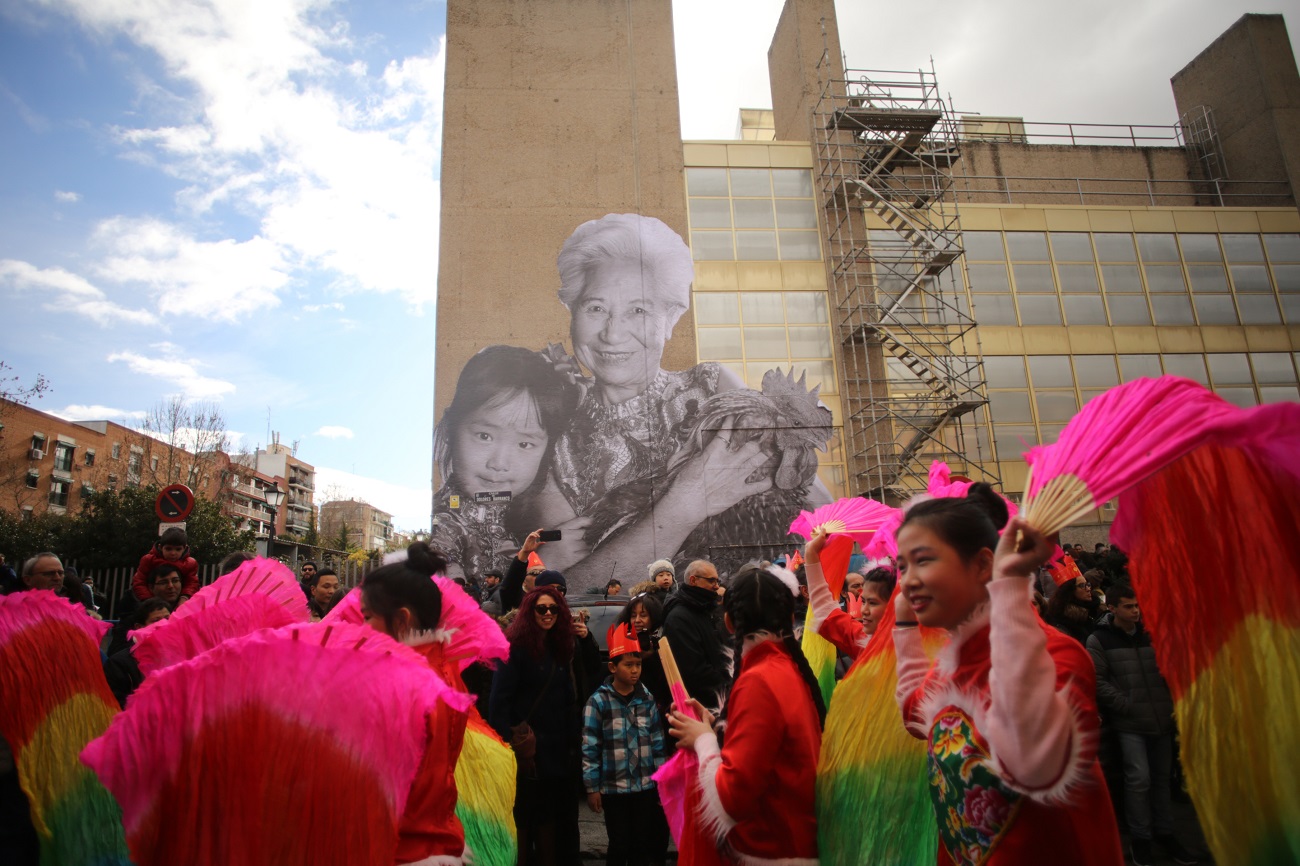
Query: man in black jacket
1135, 702
690, 629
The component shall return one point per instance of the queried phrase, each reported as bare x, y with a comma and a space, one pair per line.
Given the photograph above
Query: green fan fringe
492, 842
879, 815
85, 827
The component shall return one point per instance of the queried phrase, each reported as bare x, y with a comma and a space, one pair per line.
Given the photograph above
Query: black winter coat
1131, 692
697, 647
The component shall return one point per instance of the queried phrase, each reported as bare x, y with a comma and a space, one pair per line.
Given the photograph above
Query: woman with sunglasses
534, 708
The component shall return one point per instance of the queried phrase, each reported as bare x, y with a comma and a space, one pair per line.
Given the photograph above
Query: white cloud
338, 165
316, 308
334, 432
74, 294
66, 196
184, 374
78, 412
410, 506
194, 440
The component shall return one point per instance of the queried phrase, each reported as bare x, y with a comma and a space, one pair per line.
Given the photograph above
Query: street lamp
274, 498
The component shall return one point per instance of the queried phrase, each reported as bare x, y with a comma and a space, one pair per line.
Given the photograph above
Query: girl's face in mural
499, 447
619, 327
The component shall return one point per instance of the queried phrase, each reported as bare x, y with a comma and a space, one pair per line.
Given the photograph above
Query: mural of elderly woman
626, 281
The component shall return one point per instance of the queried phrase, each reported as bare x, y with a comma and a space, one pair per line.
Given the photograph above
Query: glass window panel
1115, 247
896, 371
716, 308
810, 342
1095, 371
1208, 278
1128, 310
1214, 309
1188, 366
706, 181
1291, 309
988, 278
761, 308
756, 246
712, 246
1121, 278
1200, 248
1084, 310
819, 373
1056, 405
792, 182
1243, 397
806, 307
1258, 310
1279, 394
1033, 278
718, 344
1230, 369
800, 246
1165, 278
1139, 366
1051, 371
1089, 393
1077, 278
1071, 247
1242, 248
738, 369
1154, 247
1027, 246
1013, 440
796, 214
1010, 406
766, 343
983, 246
1039, 310
1287, 277
994, 310
1005, 371
1049, 433
749, 182
1272, 368
1251, 278
1172, 310
753, 214
710, 213
1282, 248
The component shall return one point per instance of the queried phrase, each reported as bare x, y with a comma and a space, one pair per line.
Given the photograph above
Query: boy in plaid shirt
622, 746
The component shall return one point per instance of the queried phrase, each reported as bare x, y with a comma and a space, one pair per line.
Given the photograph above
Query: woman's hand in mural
717, 478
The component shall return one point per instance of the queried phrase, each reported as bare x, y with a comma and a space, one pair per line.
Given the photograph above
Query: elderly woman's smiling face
620, 325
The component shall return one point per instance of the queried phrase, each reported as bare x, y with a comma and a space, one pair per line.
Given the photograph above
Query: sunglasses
546, 609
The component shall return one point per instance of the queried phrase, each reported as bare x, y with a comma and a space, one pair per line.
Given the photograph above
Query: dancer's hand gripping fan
242, 754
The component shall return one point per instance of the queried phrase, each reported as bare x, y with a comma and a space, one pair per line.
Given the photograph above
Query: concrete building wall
368, 527
555, 114
807, 37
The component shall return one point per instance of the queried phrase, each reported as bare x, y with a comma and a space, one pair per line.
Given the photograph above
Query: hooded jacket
1131, 692
696, 644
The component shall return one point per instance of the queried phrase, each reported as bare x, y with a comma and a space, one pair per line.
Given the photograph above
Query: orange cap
621, 639
535, 561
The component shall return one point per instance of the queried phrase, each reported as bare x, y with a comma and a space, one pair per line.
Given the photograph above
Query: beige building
281, 461
957, 284
367, 527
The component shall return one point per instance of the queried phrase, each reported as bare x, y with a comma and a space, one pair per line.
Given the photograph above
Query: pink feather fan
261, 593
470, 634
853, 516
1116, 441
240, 754
939, 486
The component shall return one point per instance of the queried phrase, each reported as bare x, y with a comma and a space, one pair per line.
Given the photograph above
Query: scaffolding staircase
914, 390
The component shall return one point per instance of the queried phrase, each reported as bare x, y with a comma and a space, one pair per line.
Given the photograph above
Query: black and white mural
631, 462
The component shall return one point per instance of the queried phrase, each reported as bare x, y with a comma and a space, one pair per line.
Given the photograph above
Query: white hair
661, 251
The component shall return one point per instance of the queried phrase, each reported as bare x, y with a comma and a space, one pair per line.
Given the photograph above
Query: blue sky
237, 200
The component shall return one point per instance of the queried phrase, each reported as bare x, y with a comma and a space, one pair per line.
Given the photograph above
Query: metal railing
975, 127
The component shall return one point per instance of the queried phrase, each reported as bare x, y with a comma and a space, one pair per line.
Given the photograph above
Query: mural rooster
790, 424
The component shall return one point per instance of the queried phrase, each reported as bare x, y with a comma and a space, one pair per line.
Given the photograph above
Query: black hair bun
982, 494
424, 558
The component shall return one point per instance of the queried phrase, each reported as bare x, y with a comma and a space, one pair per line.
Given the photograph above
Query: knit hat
661, 565
551, 578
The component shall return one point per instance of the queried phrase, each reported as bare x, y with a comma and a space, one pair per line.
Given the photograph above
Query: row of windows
1126, 247
752, 214
1135, 309
753, 332
986, 278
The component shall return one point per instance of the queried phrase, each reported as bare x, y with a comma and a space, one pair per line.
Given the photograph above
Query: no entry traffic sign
175, 503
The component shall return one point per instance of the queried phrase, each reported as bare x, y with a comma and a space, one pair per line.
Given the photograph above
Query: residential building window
63, 456
59, 493
38, 441
117, 450
112, 482
33, 477
90, 458
134, 464
153, 464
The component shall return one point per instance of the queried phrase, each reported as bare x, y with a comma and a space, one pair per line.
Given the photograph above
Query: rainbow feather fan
873, 797
1230, 649
54, 700
485, 784
241, 754
853, 516
821, 653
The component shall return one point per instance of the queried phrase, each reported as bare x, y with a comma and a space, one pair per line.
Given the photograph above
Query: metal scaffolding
913, 386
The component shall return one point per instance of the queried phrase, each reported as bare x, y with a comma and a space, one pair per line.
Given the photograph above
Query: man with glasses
43, 571
690, 628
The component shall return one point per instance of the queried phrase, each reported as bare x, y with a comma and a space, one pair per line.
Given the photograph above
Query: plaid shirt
622, 741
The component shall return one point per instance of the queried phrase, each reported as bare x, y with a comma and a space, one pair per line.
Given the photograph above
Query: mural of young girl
510, 405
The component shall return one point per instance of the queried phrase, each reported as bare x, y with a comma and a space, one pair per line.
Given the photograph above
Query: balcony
302, 481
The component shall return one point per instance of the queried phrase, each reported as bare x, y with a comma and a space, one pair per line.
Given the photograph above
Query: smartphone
549, 535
